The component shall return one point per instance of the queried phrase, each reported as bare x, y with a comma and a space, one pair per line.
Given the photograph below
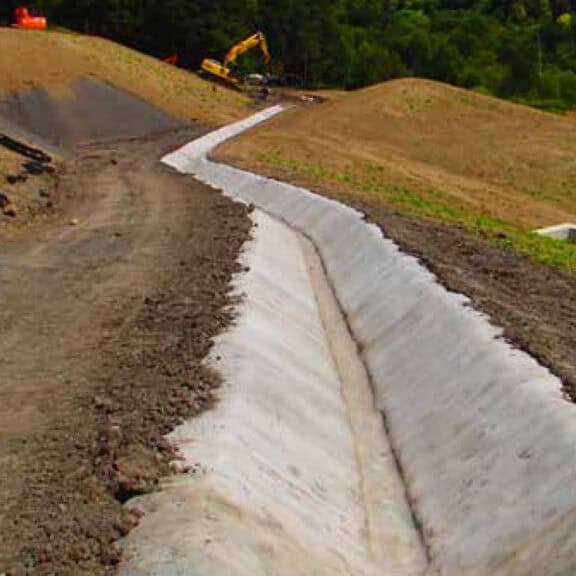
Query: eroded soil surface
106, 314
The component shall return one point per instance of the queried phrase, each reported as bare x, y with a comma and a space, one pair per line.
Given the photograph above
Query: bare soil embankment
28, 185
52, 61
110, 303
104, 327
449, 145
58, 90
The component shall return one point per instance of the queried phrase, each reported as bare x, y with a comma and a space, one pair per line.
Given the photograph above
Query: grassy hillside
52, 60
439, 152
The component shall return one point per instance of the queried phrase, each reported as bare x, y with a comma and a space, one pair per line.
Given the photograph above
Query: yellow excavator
223, 71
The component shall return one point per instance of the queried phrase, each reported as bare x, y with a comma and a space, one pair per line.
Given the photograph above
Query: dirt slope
57, 90
54, 60
466, 150
110, 302
103, 327
90, 111
9, 161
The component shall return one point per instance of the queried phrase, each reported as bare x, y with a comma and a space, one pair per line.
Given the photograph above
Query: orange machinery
223, 70
25, 20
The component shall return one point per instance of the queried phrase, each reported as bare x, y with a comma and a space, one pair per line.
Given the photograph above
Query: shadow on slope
89, 111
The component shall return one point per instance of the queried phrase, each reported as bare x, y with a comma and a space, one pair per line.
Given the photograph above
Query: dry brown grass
53, 60
464, 150
9, 163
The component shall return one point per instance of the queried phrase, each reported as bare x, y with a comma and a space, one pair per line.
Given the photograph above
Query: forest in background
519, 49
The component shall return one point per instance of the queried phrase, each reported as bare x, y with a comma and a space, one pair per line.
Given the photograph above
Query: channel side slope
483, 434
276, 483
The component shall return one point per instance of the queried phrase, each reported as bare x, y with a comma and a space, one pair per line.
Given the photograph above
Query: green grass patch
555, 105
371, 180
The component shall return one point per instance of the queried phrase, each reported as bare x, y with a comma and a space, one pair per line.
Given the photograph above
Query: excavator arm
223, 71
255, 40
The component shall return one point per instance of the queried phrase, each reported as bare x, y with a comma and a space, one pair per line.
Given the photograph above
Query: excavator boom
223, 71
217, 69
255, 40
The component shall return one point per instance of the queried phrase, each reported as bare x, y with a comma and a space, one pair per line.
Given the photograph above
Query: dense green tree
516, 48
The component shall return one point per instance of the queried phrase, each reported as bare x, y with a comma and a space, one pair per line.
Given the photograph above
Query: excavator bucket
217, 69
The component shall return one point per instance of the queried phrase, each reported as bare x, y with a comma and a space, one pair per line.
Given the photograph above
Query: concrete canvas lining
560, 232
481, 431
291, 473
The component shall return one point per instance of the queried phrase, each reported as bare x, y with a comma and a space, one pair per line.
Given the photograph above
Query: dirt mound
58, 90
52, 61
88, 111
479, 153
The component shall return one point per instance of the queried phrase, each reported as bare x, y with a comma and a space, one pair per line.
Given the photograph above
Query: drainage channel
291, 474
393, 540
294, 474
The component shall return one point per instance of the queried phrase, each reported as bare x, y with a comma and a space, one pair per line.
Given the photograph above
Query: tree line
521, 49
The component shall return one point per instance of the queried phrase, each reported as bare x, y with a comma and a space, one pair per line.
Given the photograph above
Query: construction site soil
110, 302
104, 325
24, 196
449, 146
89, 111
53, 61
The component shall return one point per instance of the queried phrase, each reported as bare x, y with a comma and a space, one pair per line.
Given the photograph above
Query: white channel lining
560, 232
485, 438
292, 472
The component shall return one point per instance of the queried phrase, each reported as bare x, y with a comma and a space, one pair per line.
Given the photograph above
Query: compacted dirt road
106, 313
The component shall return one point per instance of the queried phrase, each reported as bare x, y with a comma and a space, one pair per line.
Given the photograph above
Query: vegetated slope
451, 147
53, 60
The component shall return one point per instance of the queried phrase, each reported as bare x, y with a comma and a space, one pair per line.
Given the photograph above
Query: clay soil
24, 197
107, 311
466, 150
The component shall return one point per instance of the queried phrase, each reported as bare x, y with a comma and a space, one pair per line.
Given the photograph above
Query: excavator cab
223, 70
